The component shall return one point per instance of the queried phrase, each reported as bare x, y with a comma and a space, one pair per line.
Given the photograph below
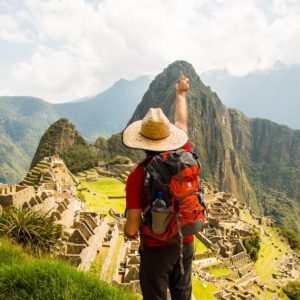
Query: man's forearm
181, 111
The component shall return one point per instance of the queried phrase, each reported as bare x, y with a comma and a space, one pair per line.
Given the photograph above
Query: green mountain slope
256, 159
270, 155
22, 122
62, 139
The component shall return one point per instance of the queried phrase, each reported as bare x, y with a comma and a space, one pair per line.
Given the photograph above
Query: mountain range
272, 94
256, 159
23, 120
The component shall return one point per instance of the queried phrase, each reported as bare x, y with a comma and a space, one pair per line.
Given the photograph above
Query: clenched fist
182, 85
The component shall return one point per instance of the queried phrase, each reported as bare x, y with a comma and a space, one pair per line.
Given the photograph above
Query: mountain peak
57, 138
178, 68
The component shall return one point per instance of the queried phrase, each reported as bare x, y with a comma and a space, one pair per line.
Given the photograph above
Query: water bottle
159, 204
161, 215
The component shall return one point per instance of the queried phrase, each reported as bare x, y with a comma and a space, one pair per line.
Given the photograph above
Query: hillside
23, 120
256, 159
256, 93
25, 277
62, 139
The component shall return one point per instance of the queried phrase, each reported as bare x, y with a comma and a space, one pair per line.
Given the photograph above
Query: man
160, 261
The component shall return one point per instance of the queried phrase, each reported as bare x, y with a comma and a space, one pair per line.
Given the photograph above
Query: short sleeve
187, 146
134, 191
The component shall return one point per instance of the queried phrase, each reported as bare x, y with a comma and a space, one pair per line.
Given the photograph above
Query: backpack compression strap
180, 236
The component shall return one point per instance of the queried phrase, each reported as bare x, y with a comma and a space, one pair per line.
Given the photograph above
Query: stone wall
14, 195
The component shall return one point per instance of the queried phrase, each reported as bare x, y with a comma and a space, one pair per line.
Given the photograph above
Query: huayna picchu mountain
62, 139
256, 159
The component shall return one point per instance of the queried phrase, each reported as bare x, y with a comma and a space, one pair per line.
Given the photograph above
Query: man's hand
181, 112
182, 85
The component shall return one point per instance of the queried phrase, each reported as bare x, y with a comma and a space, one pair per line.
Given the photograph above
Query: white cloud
83, 47
10, 30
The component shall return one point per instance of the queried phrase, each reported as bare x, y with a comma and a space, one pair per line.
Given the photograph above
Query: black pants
160, 269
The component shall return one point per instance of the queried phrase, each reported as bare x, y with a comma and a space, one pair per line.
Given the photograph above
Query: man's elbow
182, 125
130, 230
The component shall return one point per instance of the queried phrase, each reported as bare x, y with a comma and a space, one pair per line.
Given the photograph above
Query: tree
252, 244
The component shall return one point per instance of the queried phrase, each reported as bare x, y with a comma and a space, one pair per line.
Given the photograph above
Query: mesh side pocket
160, 220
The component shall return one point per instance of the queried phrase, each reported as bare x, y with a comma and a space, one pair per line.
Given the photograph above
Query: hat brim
133, 139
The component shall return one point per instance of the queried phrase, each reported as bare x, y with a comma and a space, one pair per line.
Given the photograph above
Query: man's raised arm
181, 111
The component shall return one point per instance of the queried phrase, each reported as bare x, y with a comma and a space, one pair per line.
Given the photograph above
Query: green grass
219, 271
200, 247
200, 292
11, 254
105, 187
43, 279
113, 262
98, 262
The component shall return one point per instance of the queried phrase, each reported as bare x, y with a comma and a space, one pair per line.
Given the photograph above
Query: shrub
121, 160
292, 290
33, 229
252, 245
293, 239
79, 158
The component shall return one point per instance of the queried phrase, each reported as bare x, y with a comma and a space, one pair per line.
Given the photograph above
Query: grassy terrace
113, 262
201, 292
219, 271
104, 187
200, 247
25, 277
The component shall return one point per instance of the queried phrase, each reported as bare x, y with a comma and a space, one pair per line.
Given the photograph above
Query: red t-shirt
136, 198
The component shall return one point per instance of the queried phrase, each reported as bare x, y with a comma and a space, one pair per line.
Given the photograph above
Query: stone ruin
50, 186
127, 273
83, 238
118, 171
18, 196
50, 174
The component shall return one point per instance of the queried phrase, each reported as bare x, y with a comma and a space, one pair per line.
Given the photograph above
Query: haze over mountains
273, 94
23, 120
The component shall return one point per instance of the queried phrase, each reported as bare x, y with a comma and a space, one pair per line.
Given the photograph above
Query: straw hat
154, 133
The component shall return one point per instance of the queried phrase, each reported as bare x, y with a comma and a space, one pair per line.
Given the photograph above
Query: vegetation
201, 291
252, 245
200, 247
119, 159
24, 277
292, 290
112, 147
79, 158
292, 238
61, 138
32, 229
219, 271
104, 187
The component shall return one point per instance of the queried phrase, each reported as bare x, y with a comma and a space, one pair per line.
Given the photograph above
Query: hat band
155, 137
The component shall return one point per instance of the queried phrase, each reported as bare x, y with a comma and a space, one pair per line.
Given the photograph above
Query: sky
61, 50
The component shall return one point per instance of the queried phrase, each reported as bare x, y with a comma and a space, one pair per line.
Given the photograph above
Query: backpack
175, 174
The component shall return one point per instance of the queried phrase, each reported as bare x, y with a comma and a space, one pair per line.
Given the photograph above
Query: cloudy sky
61, 50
